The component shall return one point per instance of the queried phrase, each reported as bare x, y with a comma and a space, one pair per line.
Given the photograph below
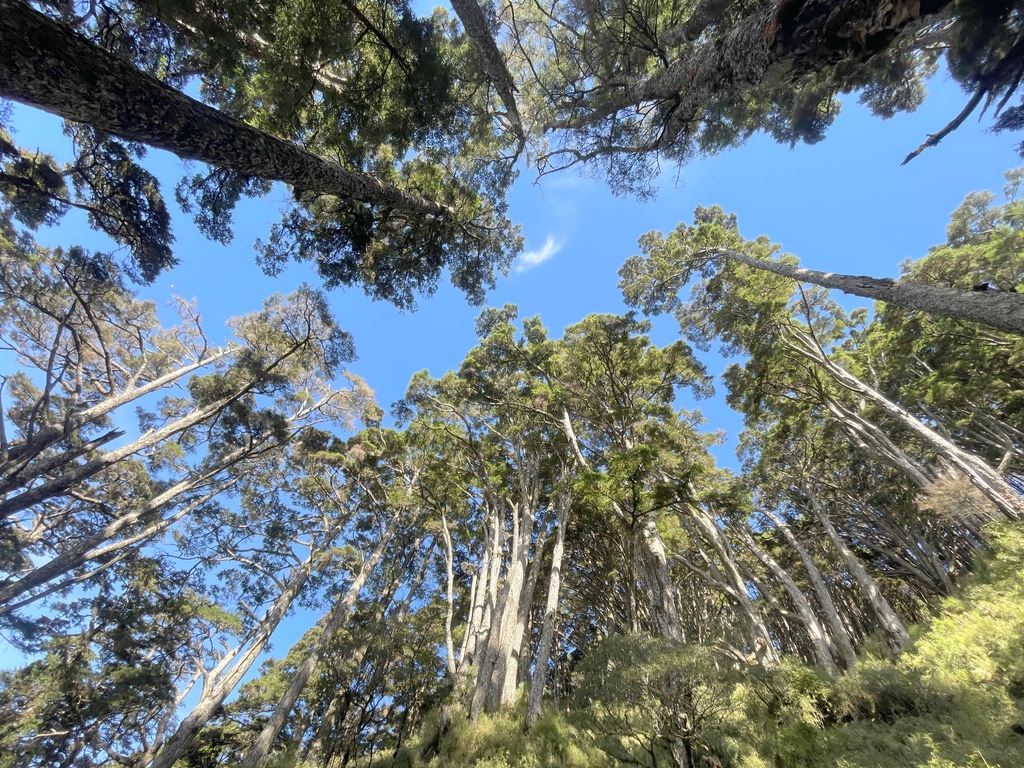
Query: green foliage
498, 741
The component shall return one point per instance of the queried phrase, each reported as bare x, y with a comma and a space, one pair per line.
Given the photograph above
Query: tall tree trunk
336, 619
1003, 310
449, 565
498, 670
535, 701
987, 480
479, 33
222, 683
815, 632
757, 633
654, 573
896, 634
837, 628
46, 65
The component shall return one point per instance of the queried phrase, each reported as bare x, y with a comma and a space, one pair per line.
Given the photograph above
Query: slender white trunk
892, 627
221, 683
535, 702
758, 636
840, 635
336, 619
987, 480
815, 632
449, 563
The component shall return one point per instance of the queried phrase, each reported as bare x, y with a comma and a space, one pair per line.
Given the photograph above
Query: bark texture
479, 32
1002, 310
46, 65
776, 41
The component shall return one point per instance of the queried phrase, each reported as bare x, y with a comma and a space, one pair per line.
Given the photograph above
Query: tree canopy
535, 559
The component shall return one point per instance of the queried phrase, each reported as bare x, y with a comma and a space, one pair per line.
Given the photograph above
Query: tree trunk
653, 570
479, 33
449, 564
815, 632
758, 635
337, 617
46, 65
535, 701
775, 41
498, 669
987, 480
92, 549
1003, 310
214, 695
840, 635
872, 441
892, 627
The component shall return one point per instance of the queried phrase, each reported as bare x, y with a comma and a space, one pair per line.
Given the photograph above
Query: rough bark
1003, 310
336, 619
479, 32
774, 42
46, 65
654, 571
498, 669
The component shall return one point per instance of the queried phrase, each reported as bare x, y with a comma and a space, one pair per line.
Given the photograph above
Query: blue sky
843, 205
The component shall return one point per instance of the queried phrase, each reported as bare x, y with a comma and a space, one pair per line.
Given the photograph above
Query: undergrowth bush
955, 699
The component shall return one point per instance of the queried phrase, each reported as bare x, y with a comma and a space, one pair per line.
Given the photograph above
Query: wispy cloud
531, 259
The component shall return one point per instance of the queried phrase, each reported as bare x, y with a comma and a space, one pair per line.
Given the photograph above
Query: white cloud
531, 259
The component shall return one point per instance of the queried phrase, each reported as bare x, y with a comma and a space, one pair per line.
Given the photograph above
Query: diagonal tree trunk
775, 40
1003, 310
479, 32
226, 676
46, 65
840, 635
896, 634
336, 619
815, 631
984, 477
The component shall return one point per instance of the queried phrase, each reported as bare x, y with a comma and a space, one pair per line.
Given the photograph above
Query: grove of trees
533, 559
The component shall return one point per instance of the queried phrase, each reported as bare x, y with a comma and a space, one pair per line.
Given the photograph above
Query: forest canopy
537, 557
